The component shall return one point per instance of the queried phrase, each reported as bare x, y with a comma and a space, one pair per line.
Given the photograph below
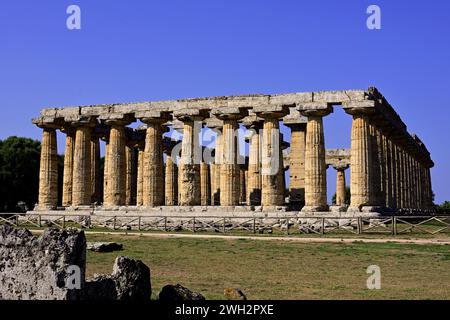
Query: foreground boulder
130, 281
178, 293
36, 268
42, 268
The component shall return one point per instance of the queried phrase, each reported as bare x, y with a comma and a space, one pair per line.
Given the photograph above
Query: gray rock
104, 246
178, 293
36, 268
132, 278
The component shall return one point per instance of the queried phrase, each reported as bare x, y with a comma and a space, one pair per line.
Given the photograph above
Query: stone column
48, 173
272, 168
154, 185
131, 173
171, 179
254, 162
140, 175
95, 169
297, 163
215, 176
81, 194
388, 171
361, 163
116, 164
393, 181
399, 174
229, 169
340, 186
315, 166
380, 169
205, 184
243, 186
68, 167
189, 165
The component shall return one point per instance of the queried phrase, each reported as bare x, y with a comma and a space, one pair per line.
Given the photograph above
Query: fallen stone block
178, 293
104, 246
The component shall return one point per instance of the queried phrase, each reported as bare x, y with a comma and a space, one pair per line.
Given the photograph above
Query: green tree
19, 172
444, 207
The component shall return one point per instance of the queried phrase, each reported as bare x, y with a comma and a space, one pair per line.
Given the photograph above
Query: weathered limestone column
205, 184
154, 185
216, 125
48, 173
315, 166
388, 184
340, 186
131, 173
394, 177
272, 168
361, 163
229, 169
171, 179
81, 193
399, 174
253, 124
297, 163
116, 163
95, 169
243, 187
140, 175
68, 167
379, 167
189, 165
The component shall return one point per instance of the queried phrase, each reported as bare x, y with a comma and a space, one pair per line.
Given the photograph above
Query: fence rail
319, 225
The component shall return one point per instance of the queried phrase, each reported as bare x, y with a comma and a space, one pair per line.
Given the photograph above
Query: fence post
360, 225
394, 225
165, 224
193, 225
254, 225
287, 226
114, 223
323, 225
17, 220
139, 224
40, 221
223, 227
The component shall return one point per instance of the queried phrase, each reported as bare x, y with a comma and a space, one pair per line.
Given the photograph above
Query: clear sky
138, 50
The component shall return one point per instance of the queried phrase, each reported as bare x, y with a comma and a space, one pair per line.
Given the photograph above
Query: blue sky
151, 50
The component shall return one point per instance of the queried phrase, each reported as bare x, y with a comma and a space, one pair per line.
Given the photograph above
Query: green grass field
285, 270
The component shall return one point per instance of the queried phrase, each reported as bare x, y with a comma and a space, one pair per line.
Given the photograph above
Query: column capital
341, 167
112, 119
214, 123
314, 109
253, 122
271, 111
82, 121
230, 113
47, 123
153, 117
364, 107
186, 115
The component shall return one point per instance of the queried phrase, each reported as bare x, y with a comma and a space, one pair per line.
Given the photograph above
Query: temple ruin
389, 167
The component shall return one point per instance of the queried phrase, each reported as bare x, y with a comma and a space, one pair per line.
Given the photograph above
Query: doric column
315, 166
399, 175
115, 191
272, 168
171, 179
388, 181
380, 169
205, 184
216, 125
242, 182
254, 125
340, 186
48, 173
95, 168
297, 163
189, 165
81, 193
68, 166
131, 168
140, 174
393, 181
361, 163
229, 169
154, 185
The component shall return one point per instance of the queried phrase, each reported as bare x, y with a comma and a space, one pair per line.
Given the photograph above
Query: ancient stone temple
145, 168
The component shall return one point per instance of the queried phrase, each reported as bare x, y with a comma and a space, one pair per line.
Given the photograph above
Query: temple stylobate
143, 168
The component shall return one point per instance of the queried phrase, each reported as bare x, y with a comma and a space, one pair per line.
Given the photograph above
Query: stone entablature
390, 169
